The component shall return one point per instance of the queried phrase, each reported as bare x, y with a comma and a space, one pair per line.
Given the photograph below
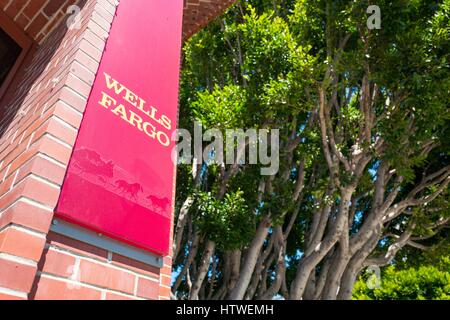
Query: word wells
135, 111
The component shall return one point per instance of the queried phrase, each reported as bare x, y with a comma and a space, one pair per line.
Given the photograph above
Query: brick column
38, 132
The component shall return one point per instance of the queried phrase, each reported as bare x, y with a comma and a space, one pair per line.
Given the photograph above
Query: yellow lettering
134, 118
141, 107
166, 122
106, 101
111, 83
131, 98
163, 138
121, 111
151, 133
153, 114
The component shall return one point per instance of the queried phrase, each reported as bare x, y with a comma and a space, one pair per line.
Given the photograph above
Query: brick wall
38, 132
73, 270
198, 13
38, 18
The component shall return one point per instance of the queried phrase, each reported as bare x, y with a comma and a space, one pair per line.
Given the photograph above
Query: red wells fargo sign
120, 180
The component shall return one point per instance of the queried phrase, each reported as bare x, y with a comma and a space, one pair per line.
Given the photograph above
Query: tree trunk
252, 257
192, 253
280, 267
202, 269
308, 264
181, 223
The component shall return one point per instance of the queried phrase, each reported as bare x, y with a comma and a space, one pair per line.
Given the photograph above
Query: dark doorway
9, 53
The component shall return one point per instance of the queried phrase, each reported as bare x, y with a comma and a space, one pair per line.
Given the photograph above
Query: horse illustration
128, 188
89, 161
158, 202
87, 154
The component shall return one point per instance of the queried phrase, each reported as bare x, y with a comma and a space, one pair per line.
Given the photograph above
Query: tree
363, 116
428, 282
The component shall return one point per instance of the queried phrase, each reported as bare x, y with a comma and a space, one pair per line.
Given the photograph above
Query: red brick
107, 5
33, 7
4, 296
22, 21
95, 40
36, 190
98, 26
164, 292
57, 129
86, 61
106, 277
43, 168
67, 114
3, 3
73, 99
51, 289
33, 190
166, 280
44, 145
5, 186
136, 266
21, 244
102, 11
167, 261
37, 25
16, 276
28, 215
113, 296
53, 6
148, 289
52, 24
93, 52
57, 263
82, 72
15, 7
54, 150
166, 270
78, 86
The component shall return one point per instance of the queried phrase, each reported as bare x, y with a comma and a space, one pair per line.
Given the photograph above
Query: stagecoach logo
89, 165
